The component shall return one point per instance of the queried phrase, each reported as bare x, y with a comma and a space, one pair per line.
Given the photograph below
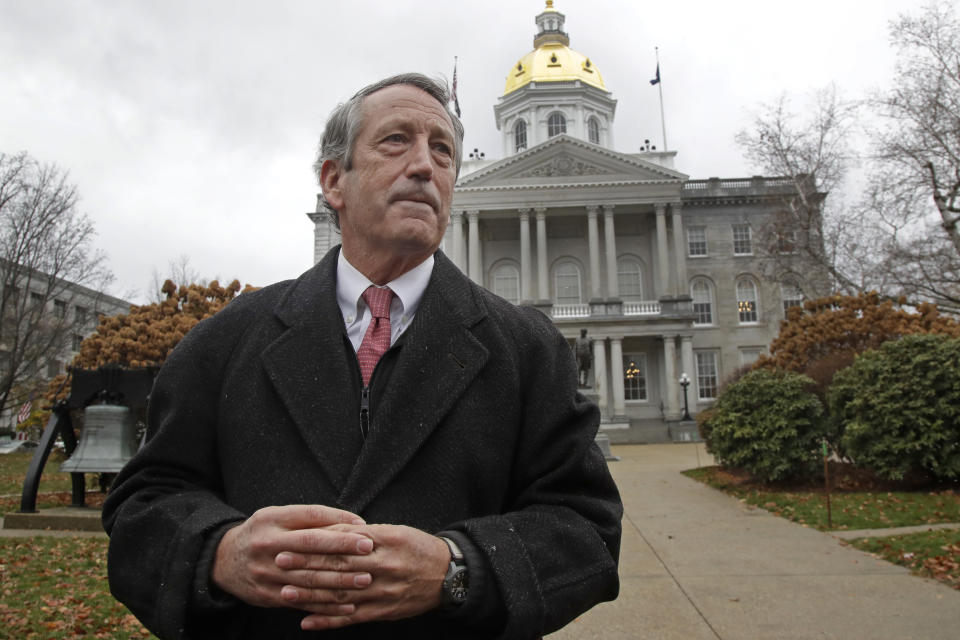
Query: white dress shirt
408, 290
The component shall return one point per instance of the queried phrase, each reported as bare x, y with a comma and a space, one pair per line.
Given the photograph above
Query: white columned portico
613, 285
593, 237
473, 218
457, 233
543, 289
616, 377
600, 374
686, 359
525, 255
679, 253
663, 277
670, 372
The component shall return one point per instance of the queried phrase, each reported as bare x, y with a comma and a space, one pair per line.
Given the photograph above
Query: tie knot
378, 299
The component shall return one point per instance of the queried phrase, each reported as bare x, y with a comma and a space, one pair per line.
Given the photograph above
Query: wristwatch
457, 580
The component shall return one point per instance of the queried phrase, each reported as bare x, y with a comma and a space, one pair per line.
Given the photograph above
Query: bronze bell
107, 442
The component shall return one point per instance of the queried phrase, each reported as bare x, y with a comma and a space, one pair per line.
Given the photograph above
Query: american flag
453, 97
24, 411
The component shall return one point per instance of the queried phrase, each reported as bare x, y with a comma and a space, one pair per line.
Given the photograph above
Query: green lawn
55, 588
54, 486
934, 554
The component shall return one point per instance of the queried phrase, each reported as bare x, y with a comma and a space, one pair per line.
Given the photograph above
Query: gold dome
552, 60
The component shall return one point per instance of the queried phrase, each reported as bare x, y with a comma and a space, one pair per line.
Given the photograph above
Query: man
453, 492
581, 348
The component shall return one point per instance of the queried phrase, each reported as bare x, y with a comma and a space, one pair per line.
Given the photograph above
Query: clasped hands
331, 564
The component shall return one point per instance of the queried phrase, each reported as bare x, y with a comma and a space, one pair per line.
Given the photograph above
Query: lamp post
685, 382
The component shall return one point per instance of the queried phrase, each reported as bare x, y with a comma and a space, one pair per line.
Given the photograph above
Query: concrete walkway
698, 564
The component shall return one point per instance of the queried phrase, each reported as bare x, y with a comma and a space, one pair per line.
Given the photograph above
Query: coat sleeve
554, 550
165, 514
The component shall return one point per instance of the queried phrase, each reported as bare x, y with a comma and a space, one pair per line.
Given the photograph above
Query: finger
323, 622
325, 541
305, 516
327, 579
310, 599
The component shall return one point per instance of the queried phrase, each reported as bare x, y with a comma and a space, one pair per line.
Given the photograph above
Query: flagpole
663, 121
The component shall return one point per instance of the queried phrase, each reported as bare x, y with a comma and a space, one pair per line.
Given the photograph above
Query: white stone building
663, 271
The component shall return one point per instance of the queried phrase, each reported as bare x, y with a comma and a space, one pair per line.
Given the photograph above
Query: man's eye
443, 148
395, 137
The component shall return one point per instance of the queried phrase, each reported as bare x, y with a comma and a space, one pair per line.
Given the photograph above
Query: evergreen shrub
768, 423
899, 408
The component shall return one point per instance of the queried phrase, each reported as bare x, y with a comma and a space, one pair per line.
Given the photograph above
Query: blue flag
657, 79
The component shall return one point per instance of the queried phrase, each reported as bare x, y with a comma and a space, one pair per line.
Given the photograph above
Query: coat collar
439, 359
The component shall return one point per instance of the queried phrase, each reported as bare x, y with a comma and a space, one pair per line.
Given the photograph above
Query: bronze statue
584, 354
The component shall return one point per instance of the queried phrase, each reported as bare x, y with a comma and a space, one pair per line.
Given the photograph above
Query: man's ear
330, 175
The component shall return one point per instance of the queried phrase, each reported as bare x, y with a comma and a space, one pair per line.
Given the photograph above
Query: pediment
566, 160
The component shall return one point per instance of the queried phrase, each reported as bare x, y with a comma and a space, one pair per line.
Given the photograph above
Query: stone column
663, 277
543, 288
600, 375
689, 368
593, 238
457, 233
670, 373
616, 377
609, 237
475, 273
525, 255
679, 254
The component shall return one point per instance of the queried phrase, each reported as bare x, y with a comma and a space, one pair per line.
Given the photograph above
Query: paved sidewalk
697, 564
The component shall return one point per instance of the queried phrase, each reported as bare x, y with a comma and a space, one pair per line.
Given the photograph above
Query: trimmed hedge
899, 408
768, 423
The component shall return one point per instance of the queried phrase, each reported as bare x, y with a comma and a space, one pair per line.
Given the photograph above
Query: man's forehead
401, 101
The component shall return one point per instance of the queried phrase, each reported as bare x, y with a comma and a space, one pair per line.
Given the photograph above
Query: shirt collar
408, 288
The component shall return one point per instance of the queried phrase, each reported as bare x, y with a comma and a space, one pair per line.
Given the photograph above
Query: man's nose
419, 159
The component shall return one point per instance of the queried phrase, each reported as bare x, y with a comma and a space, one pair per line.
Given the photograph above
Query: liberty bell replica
107, 442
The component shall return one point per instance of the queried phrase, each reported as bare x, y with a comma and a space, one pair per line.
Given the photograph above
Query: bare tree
917, 182
180, 272
46, 262
811, 234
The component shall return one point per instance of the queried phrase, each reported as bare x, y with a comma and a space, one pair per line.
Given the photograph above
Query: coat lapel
439, 359
309, 360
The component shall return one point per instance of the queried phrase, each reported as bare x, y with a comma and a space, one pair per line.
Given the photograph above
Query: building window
567, 283
520, 135
593, 131
707, 375
749, 355
556, 124
630, 279
54, 368
696, 241
635, 376
787, 241
741, 240
60, 308
76, 342
791, 296
702, 295
747, 306
506, 283
80, 315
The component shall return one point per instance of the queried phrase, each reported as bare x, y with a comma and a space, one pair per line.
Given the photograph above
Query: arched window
567, 283
791, 295
520, 135
702, 294
748, 307
593, 130
556, 124
506, 283
630, 279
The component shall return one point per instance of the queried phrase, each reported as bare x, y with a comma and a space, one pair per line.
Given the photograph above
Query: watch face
459, 582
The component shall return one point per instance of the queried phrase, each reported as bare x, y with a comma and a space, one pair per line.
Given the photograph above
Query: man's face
395, 200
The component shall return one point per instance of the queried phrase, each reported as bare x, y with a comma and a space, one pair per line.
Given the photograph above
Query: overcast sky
190, 127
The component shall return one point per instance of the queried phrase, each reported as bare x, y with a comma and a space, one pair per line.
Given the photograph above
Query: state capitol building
660, 269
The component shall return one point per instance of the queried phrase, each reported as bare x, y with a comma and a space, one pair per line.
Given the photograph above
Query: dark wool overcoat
477, 430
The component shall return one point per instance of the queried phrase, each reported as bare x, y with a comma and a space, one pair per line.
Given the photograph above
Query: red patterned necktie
376, 340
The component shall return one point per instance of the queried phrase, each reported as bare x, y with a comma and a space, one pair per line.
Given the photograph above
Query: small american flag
24, 411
